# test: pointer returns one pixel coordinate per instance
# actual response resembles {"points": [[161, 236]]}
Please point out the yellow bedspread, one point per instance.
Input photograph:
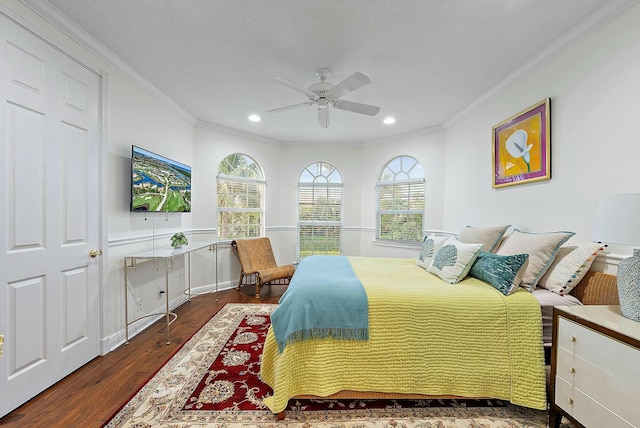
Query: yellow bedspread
{"points": [[426, 337]]}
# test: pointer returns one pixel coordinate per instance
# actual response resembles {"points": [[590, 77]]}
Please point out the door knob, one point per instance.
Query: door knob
{"points": [[95, 253]]}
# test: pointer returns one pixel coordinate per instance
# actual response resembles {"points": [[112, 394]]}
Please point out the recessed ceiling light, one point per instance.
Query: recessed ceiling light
{"points": [[389, 120], [254, 118]]}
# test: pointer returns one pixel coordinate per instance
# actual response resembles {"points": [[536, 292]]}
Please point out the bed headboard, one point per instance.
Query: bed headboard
{"points": [[597, 288]]}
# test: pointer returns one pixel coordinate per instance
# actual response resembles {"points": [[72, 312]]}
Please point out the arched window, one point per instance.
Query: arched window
{"points": [[400, 200], [319, 210], [240, 187]]}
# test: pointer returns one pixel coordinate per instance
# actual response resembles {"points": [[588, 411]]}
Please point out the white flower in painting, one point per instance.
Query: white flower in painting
{"points": [[517, 146]]}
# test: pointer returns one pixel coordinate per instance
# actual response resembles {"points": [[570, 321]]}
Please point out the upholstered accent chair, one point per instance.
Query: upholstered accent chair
{"points": [[258, 264]]}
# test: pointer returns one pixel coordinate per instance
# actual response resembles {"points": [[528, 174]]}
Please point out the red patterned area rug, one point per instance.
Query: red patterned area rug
{"points": [[213, 381]]}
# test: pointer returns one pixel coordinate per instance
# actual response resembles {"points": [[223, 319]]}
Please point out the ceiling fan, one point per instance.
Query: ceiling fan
{"points": [[325, 94]]}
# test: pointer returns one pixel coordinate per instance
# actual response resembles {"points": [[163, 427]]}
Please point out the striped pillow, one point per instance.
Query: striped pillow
{"points": [[571, 264]]}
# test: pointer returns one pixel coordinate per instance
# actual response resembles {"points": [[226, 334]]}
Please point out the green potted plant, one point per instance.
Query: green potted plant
{"points": [[178, 240]]}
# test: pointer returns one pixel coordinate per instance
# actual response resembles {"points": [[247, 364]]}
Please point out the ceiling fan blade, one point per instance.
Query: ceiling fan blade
{"points": [[356, 107], [351, 83], [292, 85], [275, 110], [323, 117]]}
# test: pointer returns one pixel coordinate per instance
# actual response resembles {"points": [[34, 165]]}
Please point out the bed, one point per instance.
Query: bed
{"points": [[341, 369], [471, 326], [426, 338]]}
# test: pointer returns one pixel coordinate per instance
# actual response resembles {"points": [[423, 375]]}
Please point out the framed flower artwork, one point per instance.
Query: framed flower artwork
{"points": [[522, 147]]}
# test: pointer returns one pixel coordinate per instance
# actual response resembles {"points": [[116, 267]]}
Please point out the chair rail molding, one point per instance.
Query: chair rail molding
{"points": [[148, 237]]}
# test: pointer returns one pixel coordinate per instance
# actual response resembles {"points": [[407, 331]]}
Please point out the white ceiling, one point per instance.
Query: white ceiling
{"points": [[428, 60]]}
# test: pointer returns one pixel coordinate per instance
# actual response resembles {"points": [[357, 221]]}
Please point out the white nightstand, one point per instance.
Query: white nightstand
{"points": [[595, 367]]}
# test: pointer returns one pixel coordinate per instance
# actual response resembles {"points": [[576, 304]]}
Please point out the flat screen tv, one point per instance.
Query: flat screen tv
{"points": [[159, 183]]}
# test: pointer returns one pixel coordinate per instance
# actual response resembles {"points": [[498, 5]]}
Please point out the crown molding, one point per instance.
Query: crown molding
{"points": [[434, 129], [33, 29], [587, 26], [60, 21], [203, 124]]}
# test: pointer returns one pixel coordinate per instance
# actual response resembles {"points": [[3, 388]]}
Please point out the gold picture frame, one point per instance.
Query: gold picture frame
{"points": [[522, 146]]}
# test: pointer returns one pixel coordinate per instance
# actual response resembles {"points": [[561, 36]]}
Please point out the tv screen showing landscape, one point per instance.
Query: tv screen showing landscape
{"points": [[159, 183]]}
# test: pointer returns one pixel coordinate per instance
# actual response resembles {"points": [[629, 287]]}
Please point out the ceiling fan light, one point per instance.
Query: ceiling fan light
{"points": [[255, 118], [389, 120], [323, 103]]}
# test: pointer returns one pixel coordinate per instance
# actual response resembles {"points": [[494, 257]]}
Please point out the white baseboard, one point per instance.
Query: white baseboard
{"points": [[117, 339]]}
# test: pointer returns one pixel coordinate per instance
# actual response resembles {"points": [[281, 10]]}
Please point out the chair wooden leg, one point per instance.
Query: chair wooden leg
{"points": [[240, 281], [257, 291]]}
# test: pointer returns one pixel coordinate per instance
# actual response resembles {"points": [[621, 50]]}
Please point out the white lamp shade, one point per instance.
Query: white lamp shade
{"points": [[618, 219]]}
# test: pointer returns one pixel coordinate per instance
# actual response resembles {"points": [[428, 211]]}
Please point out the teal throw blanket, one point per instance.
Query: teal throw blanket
{"points": [[324, 299]]}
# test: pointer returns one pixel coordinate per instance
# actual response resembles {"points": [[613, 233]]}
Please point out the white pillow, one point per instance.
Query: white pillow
{"points": [[488, 236], [453, 261], [430, 246], [571, 264], [541, 247]]}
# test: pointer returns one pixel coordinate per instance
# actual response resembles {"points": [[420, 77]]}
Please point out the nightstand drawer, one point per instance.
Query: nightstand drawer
{"points": [[588, 411], [598, 350], [613, 394]]}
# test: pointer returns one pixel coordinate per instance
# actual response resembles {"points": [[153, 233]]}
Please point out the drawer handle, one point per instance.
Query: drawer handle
{"points": [[572, 369], [570, 400], [572, 338]]}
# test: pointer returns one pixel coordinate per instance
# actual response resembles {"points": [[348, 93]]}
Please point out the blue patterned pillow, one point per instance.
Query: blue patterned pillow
{"points": [[453, 261], [430, 247], [502, 272]]}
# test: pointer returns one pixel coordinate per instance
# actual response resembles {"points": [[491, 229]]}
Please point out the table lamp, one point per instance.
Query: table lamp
{"points": [[618, 222]]}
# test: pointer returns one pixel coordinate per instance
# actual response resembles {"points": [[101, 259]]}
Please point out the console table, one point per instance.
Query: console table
{"points": [[164, 259], [595, 367]]}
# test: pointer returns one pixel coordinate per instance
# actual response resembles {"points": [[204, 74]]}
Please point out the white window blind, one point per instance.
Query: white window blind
{"points": [[401, 201], [240, 196], [320, 204]]}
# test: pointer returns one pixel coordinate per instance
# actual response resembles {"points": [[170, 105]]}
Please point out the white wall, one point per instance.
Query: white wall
{"points": [[347, 159], [359, 165], [137, 118], [282, 165], [594, 89]]}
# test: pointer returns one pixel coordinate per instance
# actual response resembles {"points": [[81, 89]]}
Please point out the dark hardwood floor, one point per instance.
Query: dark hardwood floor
{"points": [[90, 395]]}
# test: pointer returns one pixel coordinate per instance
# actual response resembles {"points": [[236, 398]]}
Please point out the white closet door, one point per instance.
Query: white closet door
{"points": [[49, 219]]}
